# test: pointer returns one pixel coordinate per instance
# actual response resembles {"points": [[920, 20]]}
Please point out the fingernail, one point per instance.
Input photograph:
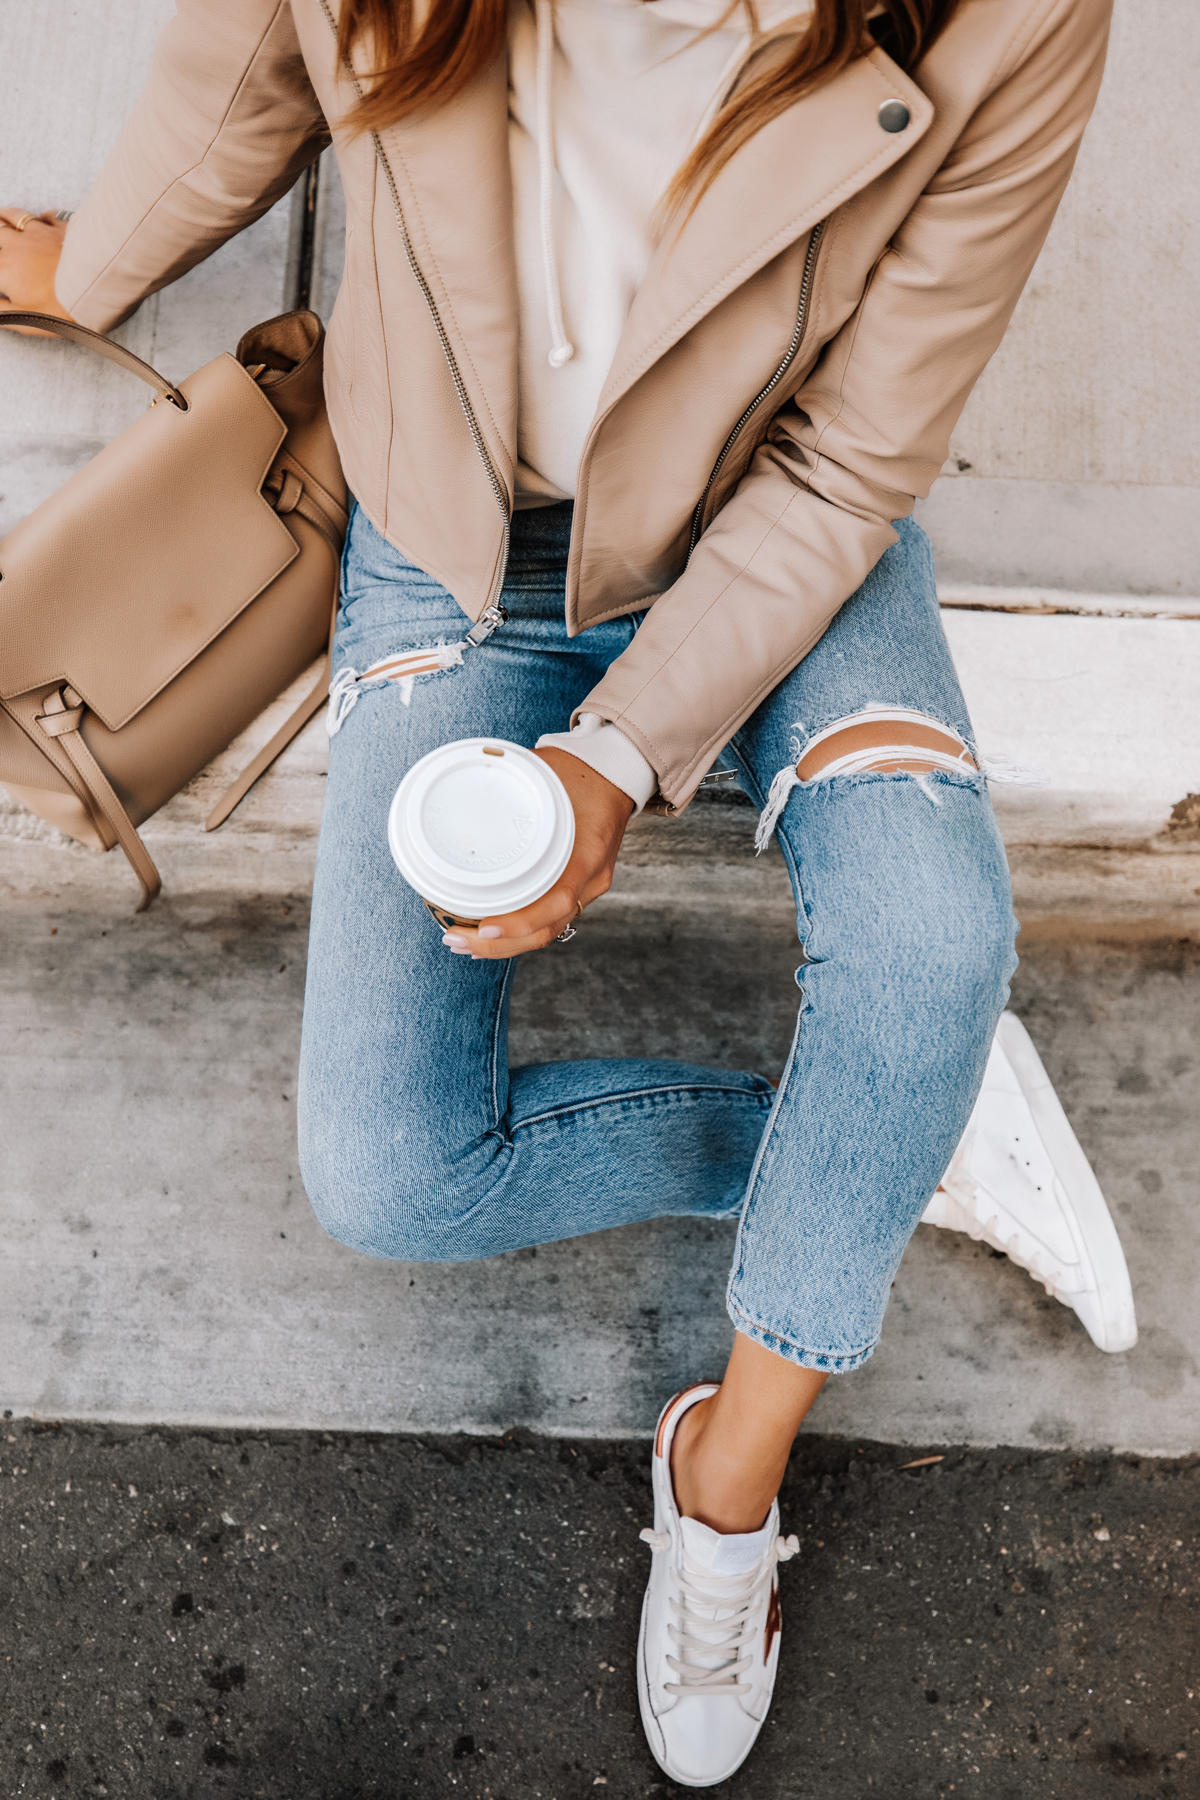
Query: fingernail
{"points": [[490, 931], [459, 950], [454, 939]]}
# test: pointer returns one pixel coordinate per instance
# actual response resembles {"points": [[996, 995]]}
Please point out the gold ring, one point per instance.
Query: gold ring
{"points": [[23, 221]]}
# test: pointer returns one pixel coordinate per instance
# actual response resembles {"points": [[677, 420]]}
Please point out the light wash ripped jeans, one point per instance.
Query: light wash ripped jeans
{"points": [[418, 1141]]}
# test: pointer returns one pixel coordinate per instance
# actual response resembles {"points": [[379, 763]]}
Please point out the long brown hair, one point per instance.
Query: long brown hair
{"points": [[412, 68]]}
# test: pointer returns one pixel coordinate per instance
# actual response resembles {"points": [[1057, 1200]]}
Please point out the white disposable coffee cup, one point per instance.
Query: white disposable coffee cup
{"points": [[480, 827]]}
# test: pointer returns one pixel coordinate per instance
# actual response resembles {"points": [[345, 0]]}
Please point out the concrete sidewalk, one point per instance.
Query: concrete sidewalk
{"points": [[162, 1263]]}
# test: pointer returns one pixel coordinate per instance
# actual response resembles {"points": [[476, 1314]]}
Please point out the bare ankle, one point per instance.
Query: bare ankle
{"points": [[729, 1452], [706, 1489]]}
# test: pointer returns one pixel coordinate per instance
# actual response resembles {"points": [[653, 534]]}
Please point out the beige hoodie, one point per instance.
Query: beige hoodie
{"points": [[630, 86], [606, 100]]}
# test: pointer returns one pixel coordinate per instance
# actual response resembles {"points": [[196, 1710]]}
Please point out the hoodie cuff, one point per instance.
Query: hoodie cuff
{"points": [[606, 749]]}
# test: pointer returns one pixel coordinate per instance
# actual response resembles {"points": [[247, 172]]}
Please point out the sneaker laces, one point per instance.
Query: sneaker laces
{"points": [[715, 1618]]}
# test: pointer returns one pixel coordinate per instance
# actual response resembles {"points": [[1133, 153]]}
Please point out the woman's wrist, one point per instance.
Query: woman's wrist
{"points": [[598, 802], [605, 748]]}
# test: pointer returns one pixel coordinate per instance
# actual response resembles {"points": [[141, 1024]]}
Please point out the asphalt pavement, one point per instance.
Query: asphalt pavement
{"points": [[316, 1616]]}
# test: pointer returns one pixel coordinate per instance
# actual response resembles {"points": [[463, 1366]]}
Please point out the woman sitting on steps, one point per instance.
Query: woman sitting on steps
{"points": [[657, 317]]}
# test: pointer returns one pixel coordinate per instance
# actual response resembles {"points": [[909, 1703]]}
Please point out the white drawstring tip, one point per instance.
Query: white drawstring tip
{"points": [[561, 353]]}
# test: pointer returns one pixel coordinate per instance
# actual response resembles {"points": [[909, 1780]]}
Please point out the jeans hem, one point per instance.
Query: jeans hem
{"points": [[824, 1361]]}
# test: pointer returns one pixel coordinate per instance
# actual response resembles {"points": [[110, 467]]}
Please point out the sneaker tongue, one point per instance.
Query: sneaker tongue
{"points": [[724, 1553]]}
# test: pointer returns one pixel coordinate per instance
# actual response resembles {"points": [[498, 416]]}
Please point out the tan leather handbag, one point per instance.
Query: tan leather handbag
{"points": [[173, 587]]}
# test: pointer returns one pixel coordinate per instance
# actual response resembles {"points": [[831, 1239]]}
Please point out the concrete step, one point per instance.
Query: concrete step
{"points": [[1103, 707], [162, 1263]]}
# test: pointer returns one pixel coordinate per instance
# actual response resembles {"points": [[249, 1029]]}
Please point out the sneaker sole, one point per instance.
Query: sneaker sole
{"points": [[1099, 1246]]}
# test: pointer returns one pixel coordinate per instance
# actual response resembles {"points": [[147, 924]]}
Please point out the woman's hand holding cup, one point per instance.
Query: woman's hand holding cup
{"points": [[602, 811], [506, 846]]}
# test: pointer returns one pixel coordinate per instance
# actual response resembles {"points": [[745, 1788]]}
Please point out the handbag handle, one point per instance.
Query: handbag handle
{"points": [[94, 340]]}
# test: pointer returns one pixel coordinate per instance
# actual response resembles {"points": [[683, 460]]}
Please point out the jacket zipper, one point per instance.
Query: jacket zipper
{"points": [[493, 611], [810, 260]]}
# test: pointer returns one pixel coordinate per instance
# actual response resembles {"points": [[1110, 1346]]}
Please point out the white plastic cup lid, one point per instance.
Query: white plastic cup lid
{"points": [[481, 826]]}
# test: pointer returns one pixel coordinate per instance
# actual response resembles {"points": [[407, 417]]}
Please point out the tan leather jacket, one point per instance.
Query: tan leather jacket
{"points": [[788, 377]]}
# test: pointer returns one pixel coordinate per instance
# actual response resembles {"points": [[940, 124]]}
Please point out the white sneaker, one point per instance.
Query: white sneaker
{"points": [[1019, 1181], [709, 1641]]}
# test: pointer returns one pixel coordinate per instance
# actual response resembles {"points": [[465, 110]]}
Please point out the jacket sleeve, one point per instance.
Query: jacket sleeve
{"points": [[868, 432], [223, 128]]}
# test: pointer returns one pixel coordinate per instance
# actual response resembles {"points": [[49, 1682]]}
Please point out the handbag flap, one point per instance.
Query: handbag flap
{"points": [[120, 579]]}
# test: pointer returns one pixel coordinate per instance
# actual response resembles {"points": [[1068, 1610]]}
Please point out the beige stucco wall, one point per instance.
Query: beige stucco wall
{"points": [[1076, 464], [1082, 440], [71, 74], [1097, 380]]}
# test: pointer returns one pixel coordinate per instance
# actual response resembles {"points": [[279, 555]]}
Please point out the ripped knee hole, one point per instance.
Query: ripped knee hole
{"points": [[878, 740], [884, 740]]}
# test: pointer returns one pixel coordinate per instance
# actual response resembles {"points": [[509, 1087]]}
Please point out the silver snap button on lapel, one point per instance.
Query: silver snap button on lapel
{"points": [[893, 115]]}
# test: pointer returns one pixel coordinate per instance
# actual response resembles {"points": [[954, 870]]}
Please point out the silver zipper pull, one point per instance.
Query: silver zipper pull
{"points": [[717, 778], [491, 619]]}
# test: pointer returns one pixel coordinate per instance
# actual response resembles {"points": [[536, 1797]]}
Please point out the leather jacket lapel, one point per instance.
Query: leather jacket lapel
{"points": [[452, 170], [792, 173]]}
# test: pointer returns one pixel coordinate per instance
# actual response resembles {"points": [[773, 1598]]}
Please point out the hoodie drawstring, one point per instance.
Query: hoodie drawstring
{"points": [[562, 350]]}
